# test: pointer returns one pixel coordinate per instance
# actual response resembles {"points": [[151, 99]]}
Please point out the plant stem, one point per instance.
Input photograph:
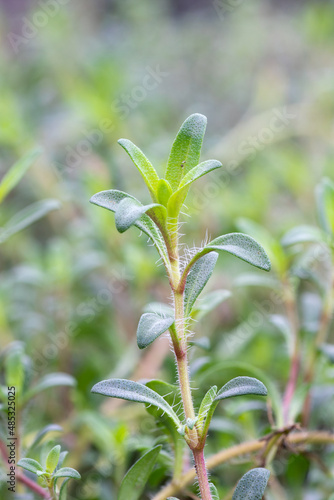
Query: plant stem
{"points": [[34, 486], [202, 474], [315, 437]]}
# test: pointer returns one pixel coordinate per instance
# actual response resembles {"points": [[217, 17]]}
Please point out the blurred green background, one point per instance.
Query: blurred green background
{"points": [[75, 77]]}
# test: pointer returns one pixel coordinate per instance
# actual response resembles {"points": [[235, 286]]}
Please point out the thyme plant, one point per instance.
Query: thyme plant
{"points": [[160, 220]]}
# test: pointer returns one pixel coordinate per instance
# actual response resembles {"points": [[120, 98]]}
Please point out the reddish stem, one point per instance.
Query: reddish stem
{"points": [[33, 486]]}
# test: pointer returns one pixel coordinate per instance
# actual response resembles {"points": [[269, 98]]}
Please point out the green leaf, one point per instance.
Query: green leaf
{"points": [[136, 478], [164, 192], [150, 327], [16, 172], [31, 465], [52, 459], [240, 386], [303, 234], [186, 149], [63, 488], [197, 278], [159, 308], [129, 211], [325, 205], [214, 492], [252, 485], [111, 199], [144, 166], [48, 381], [178, 197], [206, 404], [209, 302], [67, 472], [133, 391], [27, 216]]}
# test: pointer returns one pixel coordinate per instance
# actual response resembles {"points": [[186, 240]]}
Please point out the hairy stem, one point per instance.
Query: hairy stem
{"points": [[202, 474], [316, 437]]}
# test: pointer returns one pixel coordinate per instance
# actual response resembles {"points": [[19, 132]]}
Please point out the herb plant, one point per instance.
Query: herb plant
{"points": [[187, 275]]}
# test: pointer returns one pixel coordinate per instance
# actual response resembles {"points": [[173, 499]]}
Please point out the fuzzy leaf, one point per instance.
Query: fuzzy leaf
{"points": [[206, 404], [52, 459], [252, 485], [160, 309], [178, 197], [133, 391], [16, 172], [325, 205], [242, 246], [30, 464], [143, 164], [26, 217], [150, 327], [128, 212], [240, 386], [67, 472], [303, 234], [112, 198], [50, 380], [63, 488], [214, 492], [186, 149], [197, 278], [136, 478]]}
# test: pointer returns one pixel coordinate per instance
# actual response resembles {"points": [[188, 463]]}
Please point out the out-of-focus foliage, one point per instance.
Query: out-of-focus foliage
{"points": [[73, 82]]}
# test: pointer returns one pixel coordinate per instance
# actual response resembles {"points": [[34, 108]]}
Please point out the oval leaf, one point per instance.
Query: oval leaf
{"points": [[135, 479], [240, 386], [150, 327], [186, 149], [143, 164], [30, 464], [252, 485], [52, 459], [128, 212], [112, 198], [133, 391], [67, 472], [206, 404], [197, 278]]}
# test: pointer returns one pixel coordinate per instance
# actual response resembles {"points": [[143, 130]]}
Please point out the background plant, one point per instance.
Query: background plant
{"points": [[65, 271]]}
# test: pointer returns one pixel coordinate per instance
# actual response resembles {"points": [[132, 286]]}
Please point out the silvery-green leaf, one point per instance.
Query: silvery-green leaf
{"points": [[31, 465], [136, 478], [186, 149], [252, 485], [150, 327], [128, 212], [133, 391], [112, 198], [63, 488], [159, 308], [67, 472], [16, 172], [197, 278], [214, 492], [240, 386], [240, 245], [177, 199], [303, 234], [143, 164]]}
